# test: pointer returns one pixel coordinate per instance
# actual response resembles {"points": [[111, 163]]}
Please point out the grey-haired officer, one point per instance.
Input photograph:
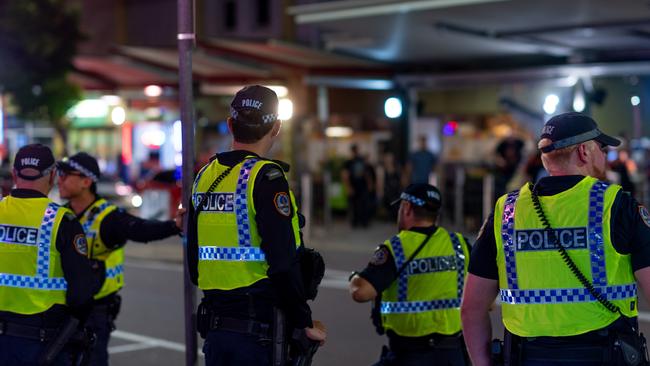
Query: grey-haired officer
{"points": [[416, 280], [551, 315], [107, 228], [45, 273]]}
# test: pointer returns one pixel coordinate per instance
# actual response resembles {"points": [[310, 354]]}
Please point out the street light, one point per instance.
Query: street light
{"points": [[635, 100], [118, 115], [550, 103], [285, 109]]}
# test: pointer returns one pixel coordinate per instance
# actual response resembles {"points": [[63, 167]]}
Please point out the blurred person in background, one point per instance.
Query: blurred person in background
{"points": [[508, 155], [421, 163], [108, 228], [391, 183], [625, 168], [358, 185]]}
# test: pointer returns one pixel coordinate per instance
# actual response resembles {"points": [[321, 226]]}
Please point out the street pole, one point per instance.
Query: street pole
{"points": [[185, 46]]}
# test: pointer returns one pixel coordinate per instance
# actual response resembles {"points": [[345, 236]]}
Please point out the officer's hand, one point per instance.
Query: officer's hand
{"points": [[178, 218], [317, 333]]}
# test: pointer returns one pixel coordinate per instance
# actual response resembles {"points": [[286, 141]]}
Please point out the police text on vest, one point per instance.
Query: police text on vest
{"points": [[215, 202], [18, 235], [539, 239], [432, 264]]}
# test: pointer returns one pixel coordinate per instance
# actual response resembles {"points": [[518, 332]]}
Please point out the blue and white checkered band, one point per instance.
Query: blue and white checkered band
{"points": [[76, 166], [41, 280], [566, 295], [245, 254], [91, 215], [267, 118], [403, 280], [43, 260], [39, 283], [112, 272], [595, 230], [414, 200], [507, 236], [241, 203], [460, 262], [418, 306]]}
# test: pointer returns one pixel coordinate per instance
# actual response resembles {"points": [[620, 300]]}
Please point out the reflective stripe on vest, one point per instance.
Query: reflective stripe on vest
{"points": [[512, 295], [404, 306], [113, 272], [245, 252], [41, 280]]}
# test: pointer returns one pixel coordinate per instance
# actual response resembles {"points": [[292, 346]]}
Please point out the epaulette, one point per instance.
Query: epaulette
{"points": [[274, 173]]}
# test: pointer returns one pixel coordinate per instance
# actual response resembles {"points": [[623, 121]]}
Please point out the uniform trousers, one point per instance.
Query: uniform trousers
{"points": [[428, 357], [225, 348], [101, 323], [17, 351]]}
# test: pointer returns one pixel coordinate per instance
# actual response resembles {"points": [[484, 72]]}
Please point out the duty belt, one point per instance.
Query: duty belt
{"points": [[242, 326], [438, 341], [27, 331]]}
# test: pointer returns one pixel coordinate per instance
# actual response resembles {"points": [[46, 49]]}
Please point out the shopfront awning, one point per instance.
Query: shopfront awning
{"points": [[206, 67], [118, 72]]}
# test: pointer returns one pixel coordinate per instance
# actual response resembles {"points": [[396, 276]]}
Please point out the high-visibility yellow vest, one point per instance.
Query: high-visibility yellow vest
{"points": [[91, 222], [425, 298], [540, 296], [31, 277], [230, 255]]}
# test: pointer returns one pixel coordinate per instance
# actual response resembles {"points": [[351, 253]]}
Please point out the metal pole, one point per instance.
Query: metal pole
{"points": [[459, 200], [185, 46], [306, 195], [488, 192]]}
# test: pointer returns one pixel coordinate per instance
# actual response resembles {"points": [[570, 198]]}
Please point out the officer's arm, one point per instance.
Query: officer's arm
{"points": [[630, 224], [120, 226], [83, 276], [481, 288], [273, 217], [478, 297], [375, 278]]}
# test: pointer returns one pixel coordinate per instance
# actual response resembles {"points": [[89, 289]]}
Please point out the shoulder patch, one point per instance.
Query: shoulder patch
{"points": [[282, 203], [80, 244], [274, 174], [645, 215], [380, 256]]}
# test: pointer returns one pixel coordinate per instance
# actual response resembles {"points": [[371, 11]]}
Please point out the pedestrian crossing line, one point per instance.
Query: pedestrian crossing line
{"points": [[130, 347]]}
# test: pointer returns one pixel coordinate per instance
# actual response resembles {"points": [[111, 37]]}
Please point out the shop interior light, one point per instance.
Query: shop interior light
{"points": [[177, 136], [136, 201], [112, 100], [285, 109], [550, 103], [338, 131], [579, 102], [393, 107], [635, 100], [153, 91], [154, 138], [450, 128], [118, 115], [89, 108], [280, 90]]}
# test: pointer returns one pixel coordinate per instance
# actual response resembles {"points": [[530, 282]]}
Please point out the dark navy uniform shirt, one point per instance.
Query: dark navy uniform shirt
{"points": [[630, 231], [284, 287], [83, 276]]}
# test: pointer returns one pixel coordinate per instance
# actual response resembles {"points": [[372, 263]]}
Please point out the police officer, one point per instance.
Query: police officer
{"points": [[419, 274], [107, 228], [45, 273], [551, 317], [242, 239]]}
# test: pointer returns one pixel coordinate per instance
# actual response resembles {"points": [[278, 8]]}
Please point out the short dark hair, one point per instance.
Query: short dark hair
{"points": [[249, 133], [425, 213]]}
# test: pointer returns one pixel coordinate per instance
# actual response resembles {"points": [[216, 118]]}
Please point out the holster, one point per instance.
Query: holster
{"points": [[630, 349], [496, 352], [279, 339], [375, 315]]}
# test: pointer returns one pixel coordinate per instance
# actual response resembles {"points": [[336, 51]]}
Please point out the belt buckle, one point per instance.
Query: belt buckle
{"points": [[431, 342]]}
